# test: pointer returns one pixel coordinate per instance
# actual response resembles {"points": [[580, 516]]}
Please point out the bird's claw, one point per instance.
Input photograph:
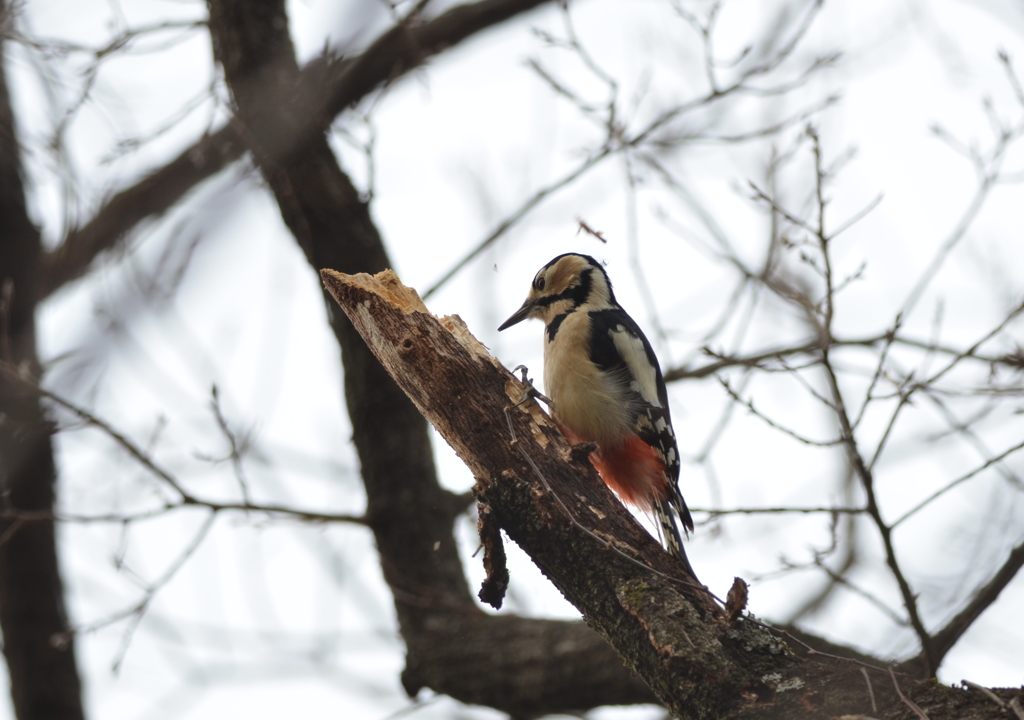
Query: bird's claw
{"points": [[530, 392]]}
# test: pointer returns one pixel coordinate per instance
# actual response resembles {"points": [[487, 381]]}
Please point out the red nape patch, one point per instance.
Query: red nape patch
{"points": [[635, 471]]}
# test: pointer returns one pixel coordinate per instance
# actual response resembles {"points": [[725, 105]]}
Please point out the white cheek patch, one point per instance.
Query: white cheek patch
{"points": [[644, 378]]}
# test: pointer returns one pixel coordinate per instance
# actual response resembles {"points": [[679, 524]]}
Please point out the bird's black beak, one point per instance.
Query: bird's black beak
{"points": [[519, 315]]}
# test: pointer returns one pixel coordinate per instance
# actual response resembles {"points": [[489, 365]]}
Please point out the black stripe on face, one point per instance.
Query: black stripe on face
{"points": [[581, 292], [577, 293], [553, 326]]}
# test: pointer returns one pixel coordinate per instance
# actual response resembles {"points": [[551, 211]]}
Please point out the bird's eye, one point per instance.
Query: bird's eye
{"points": [[539, 283]]}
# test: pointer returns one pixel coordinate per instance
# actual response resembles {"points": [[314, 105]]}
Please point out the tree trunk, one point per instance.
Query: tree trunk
{"points": [[38, 647]]}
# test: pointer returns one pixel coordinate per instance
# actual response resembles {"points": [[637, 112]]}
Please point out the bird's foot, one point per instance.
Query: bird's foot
{"points": [[530, 392]]}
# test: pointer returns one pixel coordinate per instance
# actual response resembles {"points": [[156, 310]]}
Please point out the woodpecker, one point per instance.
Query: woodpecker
{"points": [[606, 387]]}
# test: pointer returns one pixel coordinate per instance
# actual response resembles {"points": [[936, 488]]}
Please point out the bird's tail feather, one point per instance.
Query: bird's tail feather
{"points": [[664, 513]]}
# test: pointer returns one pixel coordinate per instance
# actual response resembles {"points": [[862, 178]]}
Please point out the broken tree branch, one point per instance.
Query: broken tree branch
{"points": [[552, 503]]}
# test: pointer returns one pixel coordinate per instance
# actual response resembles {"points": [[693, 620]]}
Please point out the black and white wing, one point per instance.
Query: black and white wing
{"points": [[619, 347]]}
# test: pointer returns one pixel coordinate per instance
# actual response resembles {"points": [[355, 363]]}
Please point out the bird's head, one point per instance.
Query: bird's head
{"points": [[566, 283]]}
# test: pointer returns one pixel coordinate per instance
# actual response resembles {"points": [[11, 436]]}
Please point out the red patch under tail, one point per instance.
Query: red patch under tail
{"points": [[635, 471]]}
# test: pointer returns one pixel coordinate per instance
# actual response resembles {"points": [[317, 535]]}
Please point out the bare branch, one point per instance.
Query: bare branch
{"points": [[511, 220], [715, 512], [236, 448], [187, 499], [396, 52], [982, 598], [149, 198], [792, 433], [905, 700], [618, 141]]}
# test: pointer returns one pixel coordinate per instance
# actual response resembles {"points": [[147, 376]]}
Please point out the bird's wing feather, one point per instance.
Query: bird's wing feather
{"points": [[618, 346]]}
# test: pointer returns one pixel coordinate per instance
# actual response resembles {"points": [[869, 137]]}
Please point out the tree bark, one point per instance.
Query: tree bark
{"points": [[549, 500], [37, 645]]}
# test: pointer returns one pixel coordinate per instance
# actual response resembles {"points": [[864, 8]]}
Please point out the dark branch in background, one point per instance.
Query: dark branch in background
{"points": [[778, 510], [44, 680], [148, 199], [186, 499], [342, 81], [812, 348], [410, 44], [944, 640]]}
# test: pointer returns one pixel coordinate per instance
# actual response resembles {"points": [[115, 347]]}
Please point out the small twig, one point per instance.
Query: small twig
{"points": [[136, 611], [518, 215], [907, 701], [890, 338], [633, 251], [856, 590], [121, 439], [963, 478], [761, 195], [984, 691], [858, 216], [749, 405], [903, 391], [1017, 310], [871, 689], [1017, 709], [793, 371], [867, 479], [237, 449], [306, 515], [754, 360], [30, 516], [812, 651], [988, 169], [714, 512]]}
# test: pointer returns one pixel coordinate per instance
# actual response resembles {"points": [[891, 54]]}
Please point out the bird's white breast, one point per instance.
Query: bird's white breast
{"points": [[587, 402]]}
